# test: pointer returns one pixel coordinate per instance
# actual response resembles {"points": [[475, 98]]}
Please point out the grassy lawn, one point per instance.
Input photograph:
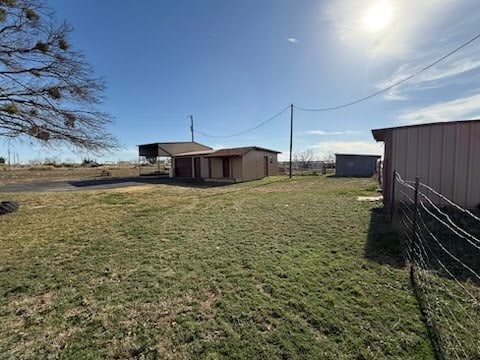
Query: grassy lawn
{"points": [[270, 269]]}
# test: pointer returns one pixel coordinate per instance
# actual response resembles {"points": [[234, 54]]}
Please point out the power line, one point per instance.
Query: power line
{"points": [[365, 98], [248, 130], [388, 88]]}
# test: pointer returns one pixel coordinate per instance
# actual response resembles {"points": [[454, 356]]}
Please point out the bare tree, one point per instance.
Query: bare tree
{"points": [[329, 162], [47, 89], [330, 157], [304, 159]]}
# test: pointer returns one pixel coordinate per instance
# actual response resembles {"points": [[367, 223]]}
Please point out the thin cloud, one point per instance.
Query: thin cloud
{"points": [[330, 133], [293, 40], [455, 70], [450, 70], [460, 109], [351, 147], [395, 94], [218, 146], [325, 149], [284, 156]]}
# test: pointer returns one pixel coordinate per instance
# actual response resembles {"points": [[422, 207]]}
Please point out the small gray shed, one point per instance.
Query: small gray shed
{"points": [[356, 165]]}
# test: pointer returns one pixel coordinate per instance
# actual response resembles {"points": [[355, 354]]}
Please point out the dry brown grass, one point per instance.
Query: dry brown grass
{"points": [[38, 173]]}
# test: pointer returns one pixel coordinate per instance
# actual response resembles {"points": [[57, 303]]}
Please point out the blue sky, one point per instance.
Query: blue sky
{"points": [[233, 64]]}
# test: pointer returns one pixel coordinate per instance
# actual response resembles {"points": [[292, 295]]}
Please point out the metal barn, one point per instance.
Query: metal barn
{"points": [[445, 156]]}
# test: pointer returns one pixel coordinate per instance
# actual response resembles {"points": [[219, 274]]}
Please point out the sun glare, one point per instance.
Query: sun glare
{"points": [[378, 16]]}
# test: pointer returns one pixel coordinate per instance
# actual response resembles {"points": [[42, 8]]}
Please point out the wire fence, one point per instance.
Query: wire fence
{"points": [[442, 245], [307, 167]]}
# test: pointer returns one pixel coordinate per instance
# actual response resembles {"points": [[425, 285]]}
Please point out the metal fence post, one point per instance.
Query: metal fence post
{"points": [[414, 225], [392, 203]]}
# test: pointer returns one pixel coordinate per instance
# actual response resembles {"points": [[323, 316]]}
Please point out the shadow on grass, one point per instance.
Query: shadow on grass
{"points": [[384, 244], [451, 253], [182, 182], [441, 249], [120, 180], [148, 180], [117, 182]]}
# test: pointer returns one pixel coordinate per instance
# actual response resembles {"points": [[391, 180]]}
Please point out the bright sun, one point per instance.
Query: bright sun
{"points": [[378, 16]]}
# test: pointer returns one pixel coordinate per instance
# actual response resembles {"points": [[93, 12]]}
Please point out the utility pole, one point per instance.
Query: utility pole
{"points": [[9, 159], [191, 128], [291, 137]]}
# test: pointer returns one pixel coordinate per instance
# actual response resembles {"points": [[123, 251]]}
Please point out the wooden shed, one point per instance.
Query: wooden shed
{"points": [[445, 156]]}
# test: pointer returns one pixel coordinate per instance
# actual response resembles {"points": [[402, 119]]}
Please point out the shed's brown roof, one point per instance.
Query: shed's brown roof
{"points": [[240, 151]]}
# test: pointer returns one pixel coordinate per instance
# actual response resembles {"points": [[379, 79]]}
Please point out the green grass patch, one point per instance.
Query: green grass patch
{"points": [[277, 268]]}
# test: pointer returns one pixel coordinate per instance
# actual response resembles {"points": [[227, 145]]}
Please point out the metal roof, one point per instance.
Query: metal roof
{"points": [[193, 153], [171, 148], [379, 134], [172, 143], [240, 151], [362, 155]]}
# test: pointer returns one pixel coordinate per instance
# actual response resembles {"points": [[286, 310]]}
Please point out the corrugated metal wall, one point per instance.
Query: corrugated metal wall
{"points": [[445, 156], [204, 167], [355, 165], [216, 170], [254, 164], [235, 168], [249, 167]]}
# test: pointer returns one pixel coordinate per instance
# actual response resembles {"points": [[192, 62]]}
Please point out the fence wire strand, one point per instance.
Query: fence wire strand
{"points": [[442, 243], [450, 202]]}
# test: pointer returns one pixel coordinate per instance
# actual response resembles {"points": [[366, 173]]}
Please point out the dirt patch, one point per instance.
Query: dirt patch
{"points": [[30, 305], [206, 305], [370, 198]]}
